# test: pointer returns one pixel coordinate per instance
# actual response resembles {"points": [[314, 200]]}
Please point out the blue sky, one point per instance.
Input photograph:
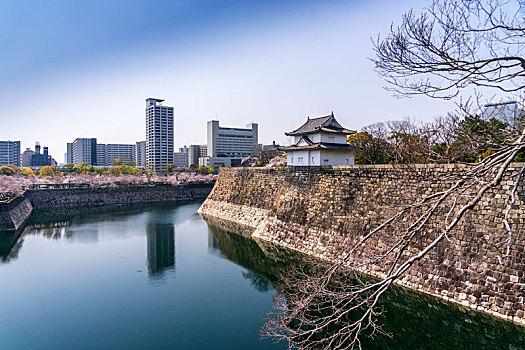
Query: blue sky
{"points": [[84, 68]]}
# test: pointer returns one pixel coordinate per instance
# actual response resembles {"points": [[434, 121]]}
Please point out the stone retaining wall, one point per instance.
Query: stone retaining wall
{"points": [[324, 211], [88, 197], [15, 213]]}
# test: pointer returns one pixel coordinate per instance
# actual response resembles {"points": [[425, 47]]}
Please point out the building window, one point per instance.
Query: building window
{"points": [[300, 160], [326, 162], [313, 160], [331, 138], [347, 161], [292, 160]]}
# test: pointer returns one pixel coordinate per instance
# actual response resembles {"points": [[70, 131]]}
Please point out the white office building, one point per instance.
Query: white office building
{"points": [[228, 146], [159, 135]]}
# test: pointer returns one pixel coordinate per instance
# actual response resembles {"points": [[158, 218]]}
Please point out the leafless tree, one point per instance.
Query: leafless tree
{"points": [[453, 45]]}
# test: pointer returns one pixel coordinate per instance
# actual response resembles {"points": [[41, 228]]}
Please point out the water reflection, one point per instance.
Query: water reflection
{"points": [[161, 249], [415, 321], [10, 246], [212, 243], [264, 269]]}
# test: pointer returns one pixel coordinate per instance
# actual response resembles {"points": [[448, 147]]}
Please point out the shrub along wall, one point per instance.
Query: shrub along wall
{"points": [[322, 212]]}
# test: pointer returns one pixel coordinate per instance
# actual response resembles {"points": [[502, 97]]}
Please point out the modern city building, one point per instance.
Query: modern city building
{"points": [[181, 158], [82, 150], [10, 153], [27, 157], [507, 112], [195, 152], [38, 159], [159, 135], [125, 152], [69, 153], [140, 154], [228, 146], [160, 249], [101, 154], [320, 142], [231, 142]]}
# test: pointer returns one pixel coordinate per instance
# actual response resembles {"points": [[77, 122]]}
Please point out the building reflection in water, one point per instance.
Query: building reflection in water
{"points": [[212, 243], [161, 249]]}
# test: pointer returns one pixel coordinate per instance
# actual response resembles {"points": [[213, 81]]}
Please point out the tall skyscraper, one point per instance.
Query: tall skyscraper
{"points": [[10, 153], [159, 135]]}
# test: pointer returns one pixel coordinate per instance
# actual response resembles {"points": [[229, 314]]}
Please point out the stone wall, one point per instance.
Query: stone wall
{"points": [[88, 197], [322, 212], [15, 213]]}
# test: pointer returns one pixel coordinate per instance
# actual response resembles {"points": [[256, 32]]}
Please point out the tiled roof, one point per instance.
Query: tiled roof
{"points": [[326, 123], [323, 145]]}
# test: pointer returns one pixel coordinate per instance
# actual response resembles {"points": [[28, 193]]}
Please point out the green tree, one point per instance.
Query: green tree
{"points": [[46, 171], [83, 168], [6, 170], [100, 171], [373, 150], [204, 170], [170, 168], [476, 136], [68, 168], [24, 171], [116, 162]]}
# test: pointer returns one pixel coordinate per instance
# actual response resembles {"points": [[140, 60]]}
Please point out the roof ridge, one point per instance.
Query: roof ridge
{"points": [[324, 116]]}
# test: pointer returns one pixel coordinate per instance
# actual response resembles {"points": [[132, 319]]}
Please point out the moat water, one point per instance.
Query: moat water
{"points": [[160, 277]]}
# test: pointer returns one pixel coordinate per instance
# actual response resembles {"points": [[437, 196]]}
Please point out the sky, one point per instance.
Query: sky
{"points": [[73, 69]]}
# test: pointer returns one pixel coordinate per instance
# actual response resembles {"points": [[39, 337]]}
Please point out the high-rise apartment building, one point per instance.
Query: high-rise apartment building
{"points": [[82, 150], [10, 153], [140, 154], [159, 135]]}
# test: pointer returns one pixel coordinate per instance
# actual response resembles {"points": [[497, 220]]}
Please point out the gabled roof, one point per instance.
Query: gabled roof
{"points": [[326, 124]]}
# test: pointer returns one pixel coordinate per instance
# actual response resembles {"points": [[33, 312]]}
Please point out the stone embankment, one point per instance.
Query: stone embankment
{"points": [[323, 212], [14, 214]]}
